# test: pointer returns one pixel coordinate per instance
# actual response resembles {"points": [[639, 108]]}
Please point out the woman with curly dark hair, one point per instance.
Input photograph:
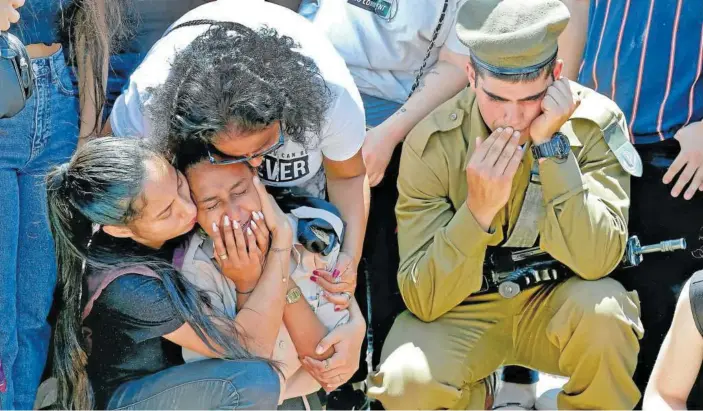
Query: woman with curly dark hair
{"points": [[258, 84]]}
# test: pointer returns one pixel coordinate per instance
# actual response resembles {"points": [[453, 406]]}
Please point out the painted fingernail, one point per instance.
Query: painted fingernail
{"points": [[516, 134], [316, 272], [256, 180], [499, 129], [214, 228], [313, 278], [253, 224], [254, 215], [249, 232], [226, 221], [337, 308], [335, 273], [319, 350], [261, 214], [235, 224]]}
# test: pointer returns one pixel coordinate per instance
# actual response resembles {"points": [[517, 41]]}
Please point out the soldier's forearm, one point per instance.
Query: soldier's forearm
{"points": [[580, 229], [437, 278]]}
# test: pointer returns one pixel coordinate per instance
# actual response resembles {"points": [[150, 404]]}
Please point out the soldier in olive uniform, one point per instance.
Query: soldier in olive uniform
{"points": [[524, 157]]}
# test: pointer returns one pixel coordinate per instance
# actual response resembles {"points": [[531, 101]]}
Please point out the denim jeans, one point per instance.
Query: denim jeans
{"points": [[202, 385], [377, 110], [43, 134]]}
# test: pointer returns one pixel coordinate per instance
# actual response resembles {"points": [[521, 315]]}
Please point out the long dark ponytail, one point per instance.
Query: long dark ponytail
{"points": [[99, 187]]}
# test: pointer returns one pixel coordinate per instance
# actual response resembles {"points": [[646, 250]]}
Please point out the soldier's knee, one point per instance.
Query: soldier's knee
{"points": [[405, 381], [608, 316]]}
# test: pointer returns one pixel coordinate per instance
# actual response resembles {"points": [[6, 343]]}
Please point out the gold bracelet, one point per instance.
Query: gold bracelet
{"points": [[284, 279]]}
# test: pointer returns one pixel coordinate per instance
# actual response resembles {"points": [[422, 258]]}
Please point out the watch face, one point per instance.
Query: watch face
{"points": [[562, 146]]}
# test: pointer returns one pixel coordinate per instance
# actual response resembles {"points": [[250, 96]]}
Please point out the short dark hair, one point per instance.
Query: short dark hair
{"points": [[194, 152], [190, 153], [546, 70]]}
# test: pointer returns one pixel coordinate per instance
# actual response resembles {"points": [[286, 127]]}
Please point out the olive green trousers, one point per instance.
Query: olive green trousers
{"points": [[588, 331]]}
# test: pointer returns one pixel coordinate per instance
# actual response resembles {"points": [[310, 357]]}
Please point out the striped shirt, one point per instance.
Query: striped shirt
{"points": [[647, 56]]}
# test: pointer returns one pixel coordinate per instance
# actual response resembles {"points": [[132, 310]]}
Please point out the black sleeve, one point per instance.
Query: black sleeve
{"points": [[696, 297], [140, 307]]}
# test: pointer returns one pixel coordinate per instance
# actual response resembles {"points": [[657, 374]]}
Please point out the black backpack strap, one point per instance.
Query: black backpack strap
{"points": [[696, 297]]}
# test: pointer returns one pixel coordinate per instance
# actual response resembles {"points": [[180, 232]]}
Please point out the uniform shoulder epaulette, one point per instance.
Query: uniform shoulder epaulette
{"points": [[448, 116], [605, 114]]}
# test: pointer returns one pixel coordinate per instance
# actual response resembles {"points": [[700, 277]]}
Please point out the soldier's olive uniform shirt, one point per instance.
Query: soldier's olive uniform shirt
{"points": [[442, 247]]}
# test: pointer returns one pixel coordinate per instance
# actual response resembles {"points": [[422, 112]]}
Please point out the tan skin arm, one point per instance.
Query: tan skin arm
{"points": [[440, 82], [260, 318], [678, 362], [573, 39], [107, 128], [87, 93], [304, 328], [349, 192]]}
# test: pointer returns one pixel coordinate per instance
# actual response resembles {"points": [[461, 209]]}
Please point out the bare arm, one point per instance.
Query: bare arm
{"points": [[349, 192], [440, 82], [678, 362], [88, 92], [443, 81], [303, 326], [260, 317], [573, 39], [305, 329]]}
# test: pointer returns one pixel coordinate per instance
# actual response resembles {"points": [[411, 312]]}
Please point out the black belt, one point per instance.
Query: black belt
{"points": [[510, 284]]}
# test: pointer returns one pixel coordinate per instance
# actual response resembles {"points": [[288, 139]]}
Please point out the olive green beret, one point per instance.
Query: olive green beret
{"points": [[512, 36]]}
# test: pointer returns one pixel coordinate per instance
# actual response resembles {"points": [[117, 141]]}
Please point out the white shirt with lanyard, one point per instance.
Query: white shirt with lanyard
{"points": [[384, 42]]}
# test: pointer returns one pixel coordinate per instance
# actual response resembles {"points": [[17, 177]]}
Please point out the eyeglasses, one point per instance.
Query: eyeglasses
{"points": [[242, 159]]}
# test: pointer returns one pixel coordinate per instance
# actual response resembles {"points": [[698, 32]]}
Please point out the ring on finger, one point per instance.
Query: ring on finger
{"points": [[327, 364], [223, 257], [348, 294]]}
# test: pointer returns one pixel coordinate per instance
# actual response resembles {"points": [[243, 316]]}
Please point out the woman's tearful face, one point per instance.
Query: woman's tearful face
{"points": [[223, 190]]}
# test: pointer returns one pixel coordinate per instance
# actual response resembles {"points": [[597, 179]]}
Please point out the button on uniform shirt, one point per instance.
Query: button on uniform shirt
{"points": [[647, 55]]}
